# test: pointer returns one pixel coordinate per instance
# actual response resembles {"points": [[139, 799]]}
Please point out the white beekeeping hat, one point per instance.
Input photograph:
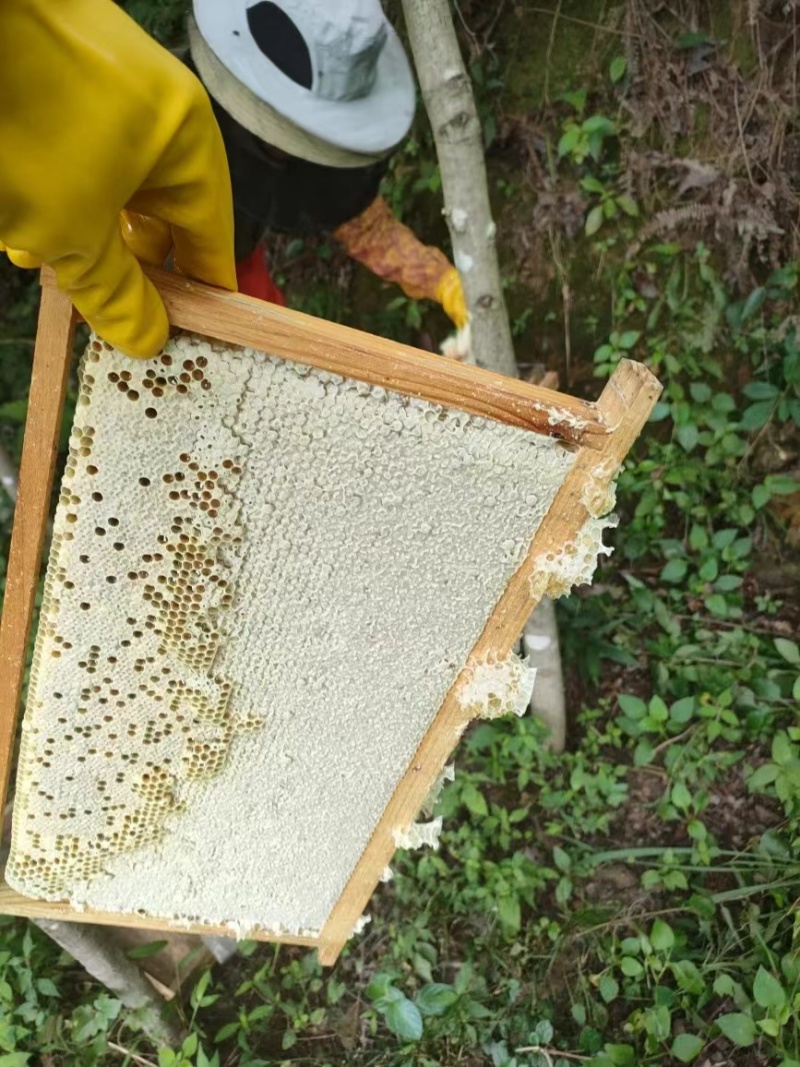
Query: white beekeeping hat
{"points": [[322, 79]]}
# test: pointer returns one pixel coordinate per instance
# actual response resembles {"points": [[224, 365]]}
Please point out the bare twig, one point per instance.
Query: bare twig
{"points": [[130, 1054]]}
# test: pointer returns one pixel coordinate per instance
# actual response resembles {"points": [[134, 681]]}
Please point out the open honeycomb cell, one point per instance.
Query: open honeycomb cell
{"points": [[263, 581]]}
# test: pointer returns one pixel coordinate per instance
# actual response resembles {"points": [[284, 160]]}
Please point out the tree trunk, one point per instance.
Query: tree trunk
{"points": [[447, 92]]}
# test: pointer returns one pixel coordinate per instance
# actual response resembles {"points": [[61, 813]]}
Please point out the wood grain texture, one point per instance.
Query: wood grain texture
{"points": [[627, 402], [14, 903], [51, 363], [241, 320]]}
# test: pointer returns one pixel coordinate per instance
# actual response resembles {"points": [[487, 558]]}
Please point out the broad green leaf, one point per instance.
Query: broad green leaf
{"points": [[661, 936], [435, 998], [561, 859], [633, 706], [687, 436], [753, 302], [675, 570], [617, 69], [630, 967], [788, 650], [762, 777], [628, 205], [508, 911], [682, 710], [404, 1020], [760, 391], [687, 1047], [767, 990], [608, 988], [143, 952], [569, 141], [474, 800], [681, 797], [594, 220], [738, 1028], [717, 605], [782, 748]]}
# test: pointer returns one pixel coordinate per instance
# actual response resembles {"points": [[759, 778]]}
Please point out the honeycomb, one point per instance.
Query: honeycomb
{"points": [[263, 581]]}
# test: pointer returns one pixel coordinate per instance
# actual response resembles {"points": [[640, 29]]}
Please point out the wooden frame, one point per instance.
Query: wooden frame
{"points": [[602, 433]]}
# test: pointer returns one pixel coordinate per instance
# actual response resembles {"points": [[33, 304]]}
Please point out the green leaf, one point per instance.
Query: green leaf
{"points": [[435, 998], [756, 415], [289, 1039], [189, 1046], [675, 570], [630, 967], [687, 1047], [509, 914], [561, 859], [15, 1059], [782, 749], [767, 990], [616, 70], [681, 797], [682, 710], [47, 987], [143, 952], [761, 391], [628, 205], [761, 495], [569, 141], [738, 1028], [764, 776], [633, 706], [404, 1020], [661, 936], [717, 605], [753, 303], [594, 220], [643, 753], [474, 800], [628, 339], [788, 650], [700, 392], [608, 988], [687, 436]]}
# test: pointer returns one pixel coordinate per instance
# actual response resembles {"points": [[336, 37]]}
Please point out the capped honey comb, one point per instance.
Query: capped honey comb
{"points": [[263, 581]]}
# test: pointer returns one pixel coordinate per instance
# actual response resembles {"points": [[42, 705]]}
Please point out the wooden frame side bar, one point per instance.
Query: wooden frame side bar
{"points": [[51, 363], [242, 320], [627, 401]]}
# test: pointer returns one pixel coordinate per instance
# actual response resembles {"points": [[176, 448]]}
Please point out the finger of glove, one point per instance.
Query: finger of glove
{"points": [[451, 296], [22, 259], [189, 188], [116, 299], [149, 239]]}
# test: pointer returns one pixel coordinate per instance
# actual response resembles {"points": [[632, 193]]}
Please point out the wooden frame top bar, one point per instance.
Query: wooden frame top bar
{"points": [[243, 320]]}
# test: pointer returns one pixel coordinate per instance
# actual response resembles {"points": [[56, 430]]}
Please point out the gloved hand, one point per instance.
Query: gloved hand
{"points": [[96, 117], [393, 252], [450, 295]]}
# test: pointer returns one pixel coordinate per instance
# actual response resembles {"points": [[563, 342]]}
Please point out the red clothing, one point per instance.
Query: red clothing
{"points": [[255, 280]]}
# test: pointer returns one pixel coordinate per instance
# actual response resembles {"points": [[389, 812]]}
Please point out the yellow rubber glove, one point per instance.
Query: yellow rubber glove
{"points": [[394, 252], [95, 117], [450, 295]]}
